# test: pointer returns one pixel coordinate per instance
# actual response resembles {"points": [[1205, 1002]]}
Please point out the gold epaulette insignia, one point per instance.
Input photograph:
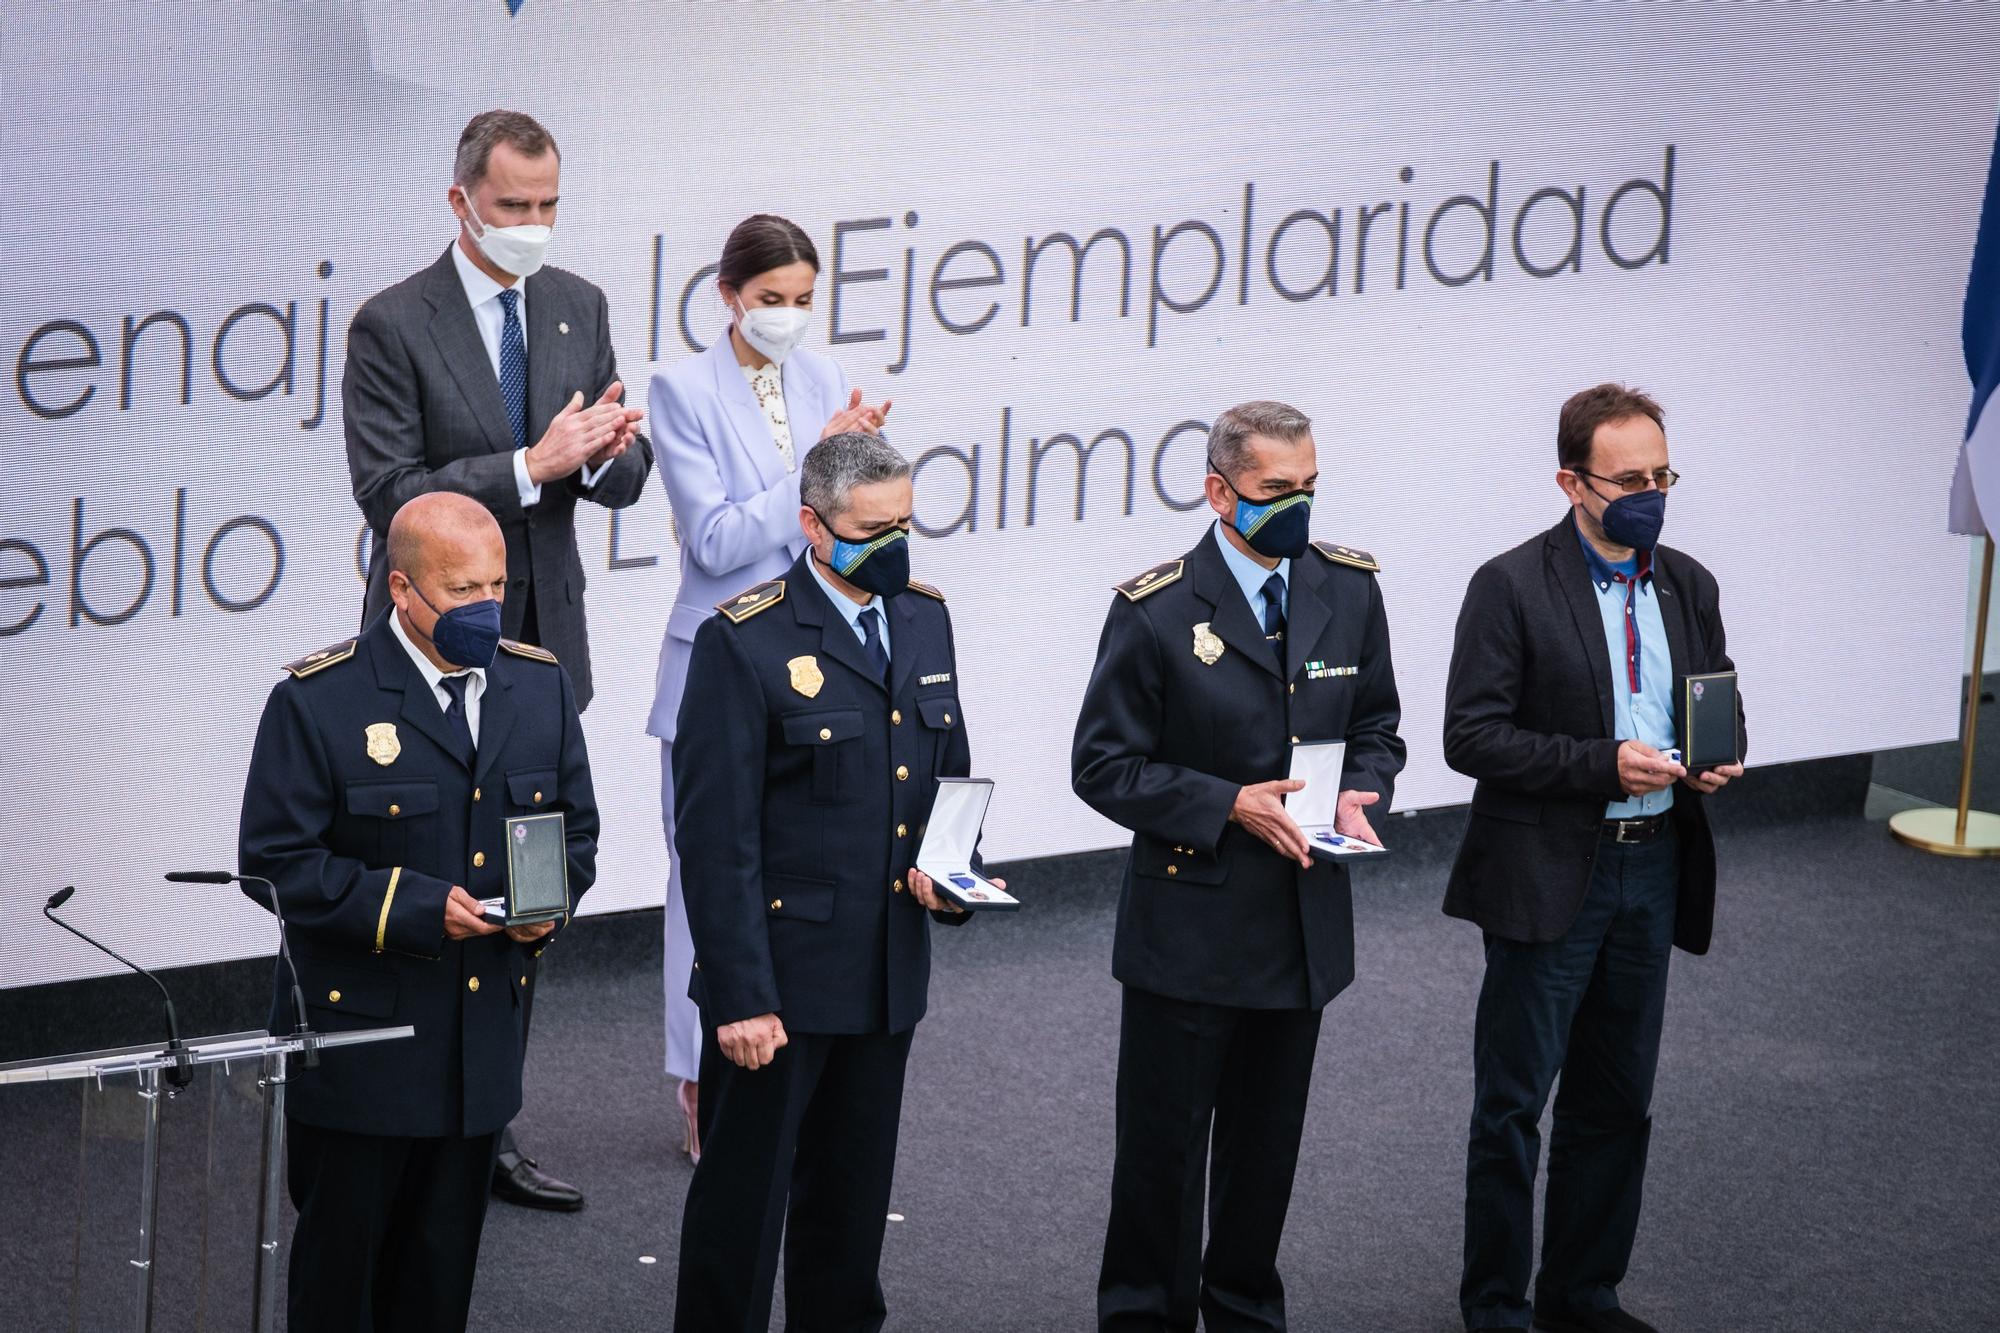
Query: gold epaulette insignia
{"points": [[324, 658], [528, 650], [1347, 555], [926, 589], [1154, 579], [760, 598]]}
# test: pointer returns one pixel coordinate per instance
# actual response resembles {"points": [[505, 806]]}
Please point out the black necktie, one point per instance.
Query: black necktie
{"points": [[1274, 607], [454, 712], [871, 632]]}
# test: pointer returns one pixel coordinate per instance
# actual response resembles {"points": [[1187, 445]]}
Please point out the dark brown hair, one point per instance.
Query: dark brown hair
{"points": [[761, 243], [1577, 425], [518, 130]]}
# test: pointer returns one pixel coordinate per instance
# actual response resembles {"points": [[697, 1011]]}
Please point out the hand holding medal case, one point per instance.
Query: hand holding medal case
{"points": [[1319, 766], [537, 872], [1709, 721], [950, 838]]}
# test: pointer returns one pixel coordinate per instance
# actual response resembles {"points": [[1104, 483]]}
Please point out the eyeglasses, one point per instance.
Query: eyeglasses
{"points": [[1633, 482]]}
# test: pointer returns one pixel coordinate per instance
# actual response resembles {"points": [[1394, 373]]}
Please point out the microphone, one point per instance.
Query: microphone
{"points": [[182, 1072], [309, 1056]]}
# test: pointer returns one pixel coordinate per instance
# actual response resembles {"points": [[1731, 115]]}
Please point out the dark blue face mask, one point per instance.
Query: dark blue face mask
{"points": [[465, 636], [880, 565], [1279, 527], [1635, 520]]}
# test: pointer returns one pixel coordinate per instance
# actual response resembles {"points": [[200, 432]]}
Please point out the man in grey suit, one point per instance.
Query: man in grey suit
{"points": [[490, 375], [493, 376]]}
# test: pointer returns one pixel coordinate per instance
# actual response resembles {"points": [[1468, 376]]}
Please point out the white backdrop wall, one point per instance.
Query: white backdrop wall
{"points": [[1425, 226]]}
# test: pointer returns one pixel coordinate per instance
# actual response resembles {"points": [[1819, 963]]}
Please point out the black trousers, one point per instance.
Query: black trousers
{"points": [[530, 633], [388, 1232], [1187, 1074], [1589, 1005], [805, 1146]]}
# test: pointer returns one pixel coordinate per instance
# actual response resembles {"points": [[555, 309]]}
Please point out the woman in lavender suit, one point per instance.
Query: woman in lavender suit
{"points": [[730, 427]]}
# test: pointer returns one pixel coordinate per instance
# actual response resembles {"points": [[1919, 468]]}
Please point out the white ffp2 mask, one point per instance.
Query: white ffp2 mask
{"points": [[516, 250]]}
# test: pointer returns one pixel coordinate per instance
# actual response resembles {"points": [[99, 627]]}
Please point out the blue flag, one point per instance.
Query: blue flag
{"points": [[1975, 485]]}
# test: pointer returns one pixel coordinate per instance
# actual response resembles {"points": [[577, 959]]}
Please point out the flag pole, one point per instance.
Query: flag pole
{"points": [[1972, 832]]}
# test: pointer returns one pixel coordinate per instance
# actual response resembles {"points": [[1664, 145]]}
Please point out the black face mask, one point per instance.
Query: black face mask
{"points": [[1280, 527], [880, 565]]}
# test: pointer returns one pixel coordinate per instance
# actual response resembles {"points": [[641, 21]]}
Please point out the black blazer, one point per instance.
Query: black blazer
{"points": [[801, 787], [1528, 712], [1207, 911], [364, 811], [422, 411]]}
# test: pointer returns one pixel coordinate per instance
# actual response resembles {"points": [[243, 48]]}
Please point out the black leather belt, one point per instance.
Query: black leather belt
{"points": [[1644, 829]]}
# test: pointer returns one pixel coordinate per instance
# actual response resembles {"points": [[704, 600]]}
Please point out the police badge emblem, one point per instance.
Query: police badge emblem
{"points": [[383, 747], [806, 677], [1207, 646]]}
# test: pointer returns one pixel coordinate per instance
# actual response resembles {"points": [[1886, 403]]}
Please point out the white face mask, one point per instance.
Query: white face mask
{"points": [[773, 330], [515, 250]]}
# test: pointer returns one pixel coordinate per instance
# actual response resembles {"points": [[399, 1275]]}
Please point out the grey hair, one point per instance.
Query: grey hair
{"points": [[839, 463], [1229, 437], [518, 130]]}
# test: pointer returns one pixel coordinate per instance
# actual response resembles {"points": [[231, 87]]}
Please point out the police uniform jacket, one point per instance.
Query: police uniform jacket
{"points": [[801, 786], [1167, 737], [363, 809]]}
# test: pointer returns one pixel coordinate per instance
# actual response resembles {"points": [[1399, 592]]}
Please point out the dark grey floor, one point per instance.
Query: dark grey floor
{"points": [[1824, 1154]]}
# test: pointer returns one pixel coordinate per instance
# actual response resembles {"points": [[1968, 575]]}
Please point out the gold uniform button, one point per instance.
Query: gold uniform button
{"points": [[1291, 689], [902, 830], [897, 886], [524, 978], [538, 798], [947, 719], [473, 984], [478, 859], [1173, 870], [475, 793], [333, 997], [825, 733], [1295, 740], [777, 903], [395, 810], [896, 717], [902, 773]]}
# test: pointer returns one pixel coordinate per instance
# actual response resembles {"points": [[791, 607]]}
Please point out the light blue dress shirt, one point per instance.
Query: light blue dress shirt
{"points": [[1250, 576], [850, 611], [1645, 714]]}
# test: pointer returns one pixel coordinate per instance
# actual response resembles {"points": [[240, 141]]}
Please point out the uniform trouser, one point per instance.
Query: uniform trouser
{"points": [[1588, 1005], [807, 1146], [530, 633], [1188, 1072], [683, 1016], [388, 1231]]}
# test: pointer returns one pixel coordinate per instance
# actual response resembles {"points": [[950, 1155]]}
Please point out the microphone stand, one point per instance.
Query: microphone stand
{"points": [[182, 1074]]}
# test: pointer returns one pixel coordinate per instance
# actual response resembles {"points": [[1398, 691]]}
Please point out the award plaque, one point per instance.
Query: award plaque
{"points": [[537, 870], [1709, 715], [1319, 767], [949, 841]]}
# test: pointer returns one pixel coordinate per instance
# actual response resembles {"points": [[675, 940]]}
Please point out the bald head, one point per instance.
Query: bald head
{"points": [[445, 550]]}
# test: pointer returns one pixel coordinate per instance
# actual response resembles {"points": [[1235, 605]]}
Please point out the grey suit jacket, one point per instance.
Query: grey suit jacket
{"points": [[423, 412]]}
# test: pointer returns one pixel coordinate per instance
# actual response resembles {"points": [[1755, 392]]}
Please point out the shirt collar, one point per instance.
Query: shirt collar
{"points": [[1249, 574], [479, 289], [427, 668], [1603, 573], [849, 609]]}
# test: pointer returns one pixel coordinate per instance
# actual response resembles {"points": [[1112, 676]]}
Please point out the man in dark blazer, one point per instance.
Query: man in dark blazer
{"points": [[383, 770], [1587, 858], [821, 708], [493, 376], [1231, 936]]}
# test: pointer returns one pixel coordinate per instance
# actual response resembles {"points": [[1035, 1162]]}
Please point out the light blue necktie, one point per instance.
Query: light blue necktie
{"points": [[514, 367]]}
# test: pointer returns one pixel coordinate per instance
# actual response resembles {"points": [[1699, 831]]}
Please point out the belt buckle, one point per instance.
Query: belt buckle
{"points": [[1622, 825]]}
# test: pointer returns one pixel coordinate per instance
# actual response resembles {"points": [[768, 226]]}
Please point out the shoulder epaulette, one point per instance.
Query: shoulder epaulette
{"points": [[1347, 555], [527, 650], [1154, 579], [747, 604], [926, 589], [332, 655]]}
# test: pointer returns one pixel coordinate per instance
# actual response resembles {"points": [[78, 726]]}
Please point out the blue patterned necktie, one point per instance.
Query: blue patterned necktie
{"points": [[1274, 607], [514, 367], [871, 631]]}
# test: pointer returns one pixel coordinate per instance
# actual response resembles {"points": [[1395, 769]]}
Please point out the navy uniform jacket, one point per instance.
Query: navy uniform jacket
{"points": [[801, 789], [364, 837], [1208, 912]]}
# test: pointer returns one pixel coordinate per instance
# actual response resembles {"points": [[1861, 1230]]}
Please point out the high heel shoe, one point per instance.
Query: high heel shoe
{"points": [[689, 1100]]}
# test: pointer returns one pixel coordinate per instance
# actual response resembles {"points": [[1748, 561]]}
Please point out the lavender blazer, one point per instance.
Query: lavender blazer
{"points": [[736, 509]]}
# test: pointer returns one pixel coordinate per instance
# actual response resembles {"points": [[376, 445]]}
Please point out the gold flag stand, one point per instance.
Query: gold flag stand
{"points": [[1962, 831]]}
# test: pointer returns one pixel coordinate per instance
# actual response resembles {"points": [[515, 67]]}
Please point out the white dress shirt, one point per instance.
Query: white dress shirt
{"points": [[483, 295], [433, 677]]}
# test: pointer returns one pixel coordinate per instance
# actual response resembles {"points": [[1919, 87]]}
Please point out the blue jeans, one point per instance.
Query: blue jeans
{"points": [[1588, 1006]]}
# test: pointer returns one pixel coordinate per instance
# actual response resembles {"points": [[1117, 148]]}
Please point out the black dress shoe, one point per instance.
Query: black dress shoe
{"points": [[1613, 1320], [517, 1179]]}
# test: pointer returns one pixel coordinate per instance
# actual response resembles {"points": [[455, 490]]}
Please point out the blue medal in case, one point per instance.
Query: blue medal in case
{"points": [[950, 838], [1318, 765]]}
